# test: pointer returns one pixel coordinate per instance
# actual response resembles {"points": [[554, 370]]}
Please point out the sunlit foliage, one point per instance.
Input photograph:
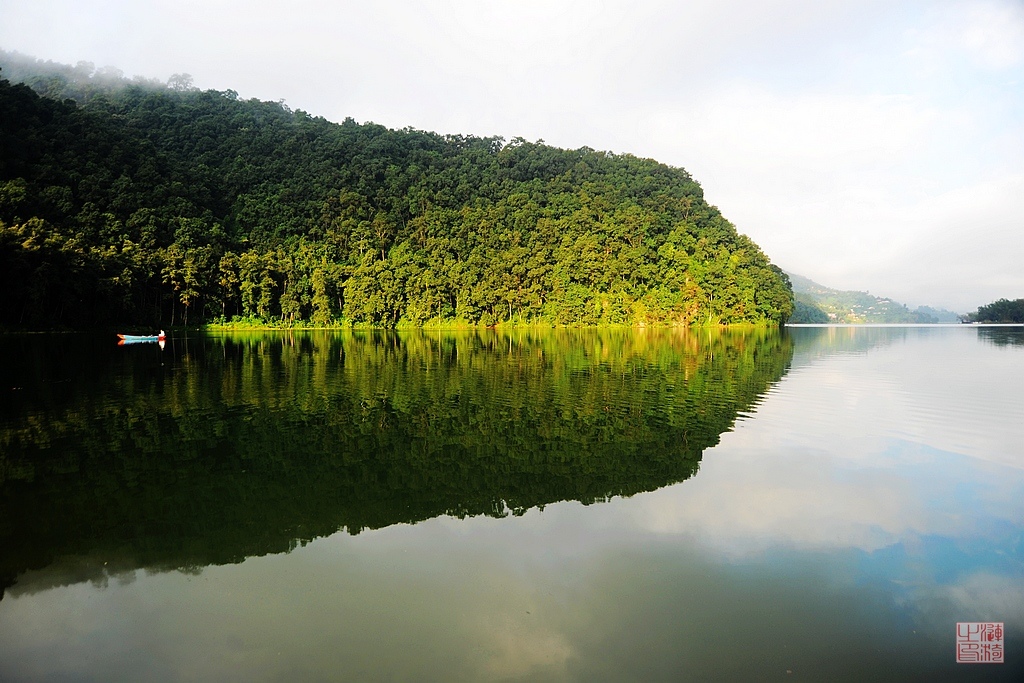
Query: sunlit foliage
{"points": [[125, 202]]}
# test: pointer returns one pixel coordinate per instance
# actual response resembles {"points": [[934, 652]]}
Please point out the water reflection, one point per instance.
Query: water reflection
{"points": [[899, 467], [1002, 335], [922, 435], [838, 532], [224, 447]]}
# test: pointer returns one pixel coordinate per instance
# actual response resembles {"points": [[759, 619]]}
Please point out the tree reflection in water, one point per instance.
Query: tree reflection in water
{"points": [[224, 447]]}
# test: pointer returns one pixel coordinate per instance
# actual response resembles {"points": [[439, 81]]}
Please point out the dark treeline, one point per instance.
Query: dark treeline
{"points": [[128, 202], [1001, 311], [219, 448]]}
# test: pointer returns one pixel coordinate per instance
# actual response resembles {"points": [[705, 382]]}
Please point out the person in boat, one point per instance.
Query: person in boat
{"points": [[161, 334]]}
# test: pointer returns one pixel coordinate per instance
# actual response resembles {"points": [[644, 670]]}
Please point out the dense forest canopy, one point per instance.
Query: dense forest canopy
{"points": [[134, 202], [1001, 311]]}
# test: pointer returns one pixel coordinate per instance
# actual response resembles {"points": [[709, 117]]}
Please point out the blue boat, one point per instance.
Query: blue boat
{"points": [[138, 338]]}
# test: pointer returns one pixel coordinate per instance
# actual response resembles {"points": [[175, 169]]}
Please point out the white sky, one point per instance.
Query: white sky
{"points": [[870, 145]]}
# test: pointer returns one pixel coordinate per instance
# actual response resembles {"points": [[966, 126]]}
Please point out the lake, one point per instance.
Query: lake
{"points": [[815, 504]]}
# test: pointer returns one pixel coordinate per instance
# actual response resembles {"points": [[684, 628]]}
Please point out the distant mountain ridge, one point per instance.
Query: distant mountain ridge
{"points": [[816, 303]]}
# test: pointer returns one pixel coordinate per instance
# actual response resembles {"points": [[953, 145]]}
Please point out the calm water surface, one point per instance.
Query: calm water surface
{"points": [[821, 504]]}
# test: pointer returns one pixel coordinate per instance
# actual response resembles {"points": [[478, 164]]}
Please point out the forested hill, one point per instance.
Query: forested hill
{"points": [[819, 304], [1001, 311], [132, 203]]}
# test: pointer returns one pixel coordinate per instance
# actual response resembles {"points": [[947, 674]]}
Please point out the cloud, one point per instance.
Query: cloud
{"points": [[842, 454], [983, 596], [816, 179], [884, 177], [965, 241], [989, 34]]}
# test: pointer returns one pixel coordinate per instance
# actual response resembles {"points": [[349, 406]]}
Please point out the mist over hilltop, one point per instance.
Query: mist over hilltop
{"points": [[130, 201]]}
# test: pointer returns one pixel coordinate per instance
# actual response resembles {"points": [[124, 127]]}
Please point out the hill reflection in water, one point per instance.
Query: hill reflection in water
{"points": [[222, 447]]}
